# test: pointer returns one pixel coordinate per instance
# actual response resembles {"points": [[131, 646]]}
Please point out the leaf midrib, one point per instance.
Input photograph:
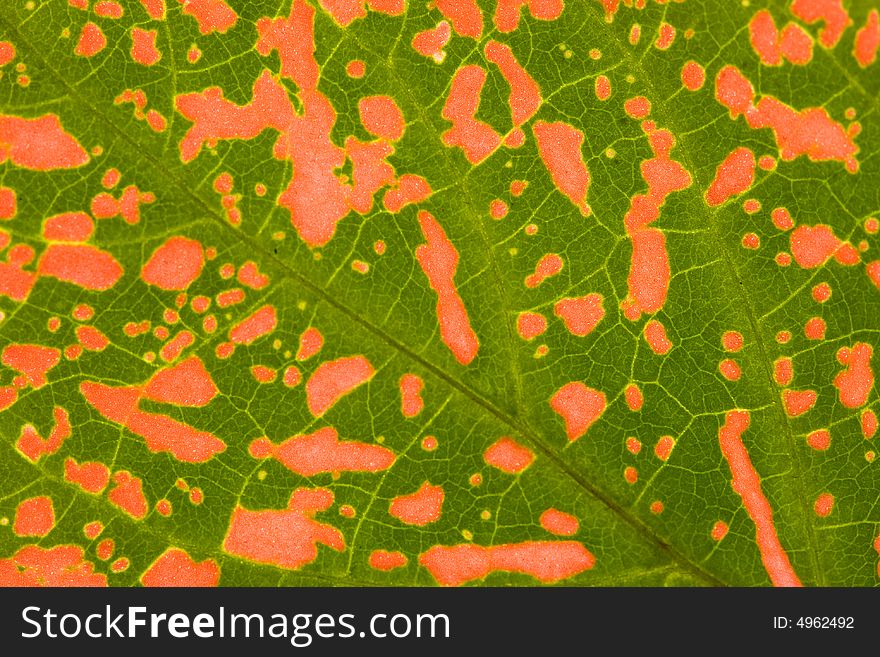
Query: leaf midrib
{"points": [[178, 182]]}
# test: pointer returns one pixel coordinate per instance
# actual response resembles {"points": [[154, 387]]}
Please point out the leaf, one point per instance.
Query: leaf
{"points": [[504, 293]]}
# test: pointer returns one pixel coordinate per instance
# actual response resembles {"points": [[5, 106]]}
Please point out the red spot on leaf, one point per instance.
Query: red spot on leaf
{"points": [[92, 477], [175, 265], [35, 447], [508, 456], [855, 383], [431, 42], [560, 148], [40, 144], [31, 360], [211, 15], [335, 379], [91, 41], [582, 314], [34, 517], [438, 259], [546, 561], [175, 567], [62, 565], [411, 403], [579, 406], [868, 40], [286, 538], [128, 495], [507, 12], [384, 560], [382, 117], [559, 523], [477, 139], [322, 451], [260, 323], [420, 508], [747, 485]]}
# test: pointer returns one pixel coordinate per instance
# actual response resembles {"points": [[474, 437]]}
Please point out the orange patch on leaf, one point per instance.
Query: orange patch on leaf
{"points": [[406, 190], [582, 314], [92, 477], [855, 383], [63, 565], [507, 12], [476, 138], [322, 451], [80, 264], [809, 132], [546, 561], [798, 402], [335, 379], [175, 265], [32, 361], [39, 144], [143, 47], [431, 42], [747, 484], [68, 227], [735, 175], [868, 40], [438, 259], [384, 560], [260, 323], [530, 325], [824, 505], [381, 116], [35, 447], [286, 538], [34, 517], [655, 335], [649, 273], [310, 343], [549, 265], [91, 41], [579, 406], [176, 568], [185, 384], [128, 495], [508, 456], [693, 76], [525, 94], [411, 403], [465, 16], [813, 246], [831, 12], [559, 523], [560, 149], [420, 508], [211, 15]]}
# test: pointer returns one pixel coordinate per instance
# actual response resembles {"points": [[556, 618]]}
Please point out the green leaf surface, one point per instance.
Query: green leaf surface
{"points": [[228, 341]]}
